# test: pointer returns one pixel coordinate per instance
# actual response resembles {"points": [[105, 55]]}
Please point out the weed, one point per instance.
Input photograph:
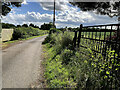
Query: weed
{"points": [[67, 67]]}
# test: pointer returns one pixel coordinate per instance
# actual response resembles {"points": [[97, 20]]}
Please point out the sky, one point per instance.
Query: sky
{"points": [[41, 12]]}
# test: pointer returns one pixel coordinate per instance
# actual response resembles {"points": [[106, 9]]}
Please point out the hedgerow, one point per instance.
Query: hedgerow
{"points": [[25, 32]]}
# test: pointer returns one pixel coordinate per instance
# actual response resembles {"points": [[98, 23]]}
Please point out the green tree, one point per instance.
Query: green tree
{"points": [[110, 8], [32, 25], [104, 8], [47, 26], [18, 25], [7, 25], [24, 25], [6, 6], [35, 26]]}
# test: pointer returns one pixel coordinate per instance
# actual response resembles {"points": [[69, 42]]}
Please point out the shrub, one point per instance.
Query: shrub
{"points": [[66, 56], [53, 30], [25, 32], [47, 39]]}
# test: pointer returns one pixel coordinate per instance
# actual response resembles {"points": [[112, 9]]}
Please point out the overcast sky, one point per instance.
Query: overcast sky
{"points": [[66, 15]]}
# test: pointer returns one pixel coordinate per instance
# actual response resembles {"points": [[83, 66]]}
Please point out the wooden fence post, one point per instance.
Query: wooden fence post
{"points": [[75, 39], [79, 36]]}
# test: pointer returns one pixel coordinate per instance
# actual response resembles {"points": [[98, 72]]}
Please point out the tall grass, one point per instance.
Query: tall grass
{"points": [[68, 67]]}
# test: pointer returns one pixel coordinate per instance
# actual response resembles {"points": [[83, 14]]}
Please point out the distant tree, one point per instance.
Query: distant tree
{"points": [[32, 25], [7, 25], [7, 5], [61, 29], [47, 26], [24, 25], [36, 26], [70, 28], [18, 25]]}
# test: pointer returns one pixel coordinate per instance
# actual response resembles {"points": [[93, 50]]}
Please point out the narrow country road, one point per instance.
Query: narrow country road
{"points": [[21, 63]]}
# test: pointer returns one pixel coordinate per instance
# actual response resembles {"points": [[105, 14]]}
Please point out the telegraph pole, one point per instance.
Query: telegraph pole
{"points": [[119, 14], [54, 15]]}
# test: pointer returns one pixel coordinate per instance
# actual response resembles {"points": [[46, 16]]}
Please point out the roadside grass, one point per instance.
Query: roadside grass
{"points": [[23, 33], [7, 43], [55, 73], [57, 76], [67, 67]]}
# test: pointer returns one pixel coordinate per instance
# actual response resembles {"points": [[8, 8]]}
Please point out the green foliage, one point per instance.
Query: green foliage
{"points": [[68, 67], [25, 32], [7, 5], [94, 72], [56, 74], [19, 26], [47, 39], [100, 7], [7, 25], [32, 25], [66, 56], [47, 26], [24, 25]]}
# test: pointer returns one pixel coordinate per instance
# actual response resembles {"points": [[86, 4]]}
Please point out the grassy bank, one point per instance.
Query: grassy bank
{"points": [[8, 43], [67, 67]]}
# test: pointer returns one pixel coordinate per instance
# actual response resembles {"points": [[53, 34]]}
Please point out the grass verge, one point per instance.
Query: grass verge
{"points": [[12, 42], [67, 67]]}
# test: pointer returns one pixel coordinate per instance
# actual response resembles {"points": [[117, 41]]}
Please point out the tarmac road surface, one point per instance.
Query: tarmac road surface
{"points": [[20, 63]]}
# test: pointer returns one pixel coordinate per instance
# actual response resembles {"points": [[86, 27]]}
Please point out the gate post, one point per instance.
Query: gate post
{"points": [[75, 39], [79, 36]]}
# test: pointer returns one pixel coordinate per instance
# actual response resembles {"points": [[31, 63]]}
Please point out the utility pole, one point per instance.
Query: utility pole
{"points": [[54, 15], [119, 14]]}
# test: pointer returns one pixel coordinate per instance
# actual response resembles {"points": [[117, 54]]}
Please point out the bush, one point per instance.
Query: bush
{"points": [[53, 30], [47, 39], [66, 56], [25, 32]]}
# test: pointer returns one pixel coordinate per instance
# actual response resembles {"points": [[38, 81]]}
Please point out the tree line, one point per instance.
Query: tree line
{"points": [[42, 27]]}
